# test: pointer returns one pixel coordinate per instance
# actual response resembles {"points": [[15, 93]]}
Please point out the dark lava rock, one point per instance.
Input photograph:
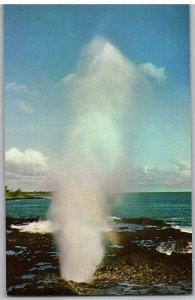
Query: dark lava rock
{"points": [[131, 269], [144, 221]]}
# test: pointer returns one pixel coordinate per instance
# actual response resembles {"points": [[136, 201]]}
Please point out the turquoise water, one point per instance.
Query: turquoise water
{"points": [[26, 208], [169, 207], [172, 207]]}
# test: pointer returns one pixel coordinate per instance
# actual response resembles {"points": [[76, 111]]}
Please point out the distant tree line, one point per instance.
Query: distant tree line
{"points": [[19, 194]]}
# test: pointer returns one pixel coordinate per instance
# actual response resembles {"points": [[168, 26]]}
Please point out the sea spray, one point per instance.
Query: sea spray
{"points": [[98, 92]]}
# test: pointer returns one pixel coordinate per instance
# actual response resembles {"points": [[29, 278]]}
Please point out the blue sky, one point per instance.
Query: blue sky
{"points": [[43, 44]]}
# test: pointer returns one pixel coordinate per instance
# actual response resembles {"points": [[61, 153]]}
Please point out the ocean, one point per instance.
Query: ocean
{"points": [[151, 256], [171, 207]]}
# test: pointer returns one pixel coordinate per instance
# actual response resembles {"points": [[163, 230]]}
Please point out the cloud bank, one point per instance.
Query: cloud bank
{"points": [[175, 177], [25, 169]]}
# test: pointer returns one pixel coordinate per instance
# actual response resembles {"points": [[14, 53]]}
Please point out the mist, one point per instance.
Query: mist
{"points": [[99, 91]]}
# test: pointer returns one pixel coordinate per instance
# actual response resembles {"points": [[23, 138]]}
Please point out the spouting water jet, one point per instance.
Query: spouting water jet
{"points": [[98, 91]]}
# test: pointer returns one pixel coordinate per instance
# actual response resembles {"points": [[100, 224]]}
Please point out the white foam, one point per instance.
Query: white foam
{"points": [[43, 227], [189, 248], [114, 218], [162, 248], [116, 246], [36, 227], [187, 229]]}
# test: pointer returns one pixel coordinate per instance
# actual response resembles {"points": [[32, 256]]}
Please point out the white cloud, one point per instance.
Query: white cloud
{"points": [[25, 168], [182, 165], [28, 162], [16, 86], [68, 77], [152, 70], [144, 178], [177, 176], [24, 106], [19, 87]]}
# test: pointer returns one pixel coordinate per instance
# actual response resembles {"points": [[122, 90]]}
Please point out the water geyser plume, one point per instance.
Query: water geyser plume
{"points": [[98, 91]]}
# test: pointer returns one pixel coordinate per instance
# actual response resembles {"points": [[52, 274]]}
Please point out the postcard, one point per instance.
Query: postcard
{"points": [[97, 150]]}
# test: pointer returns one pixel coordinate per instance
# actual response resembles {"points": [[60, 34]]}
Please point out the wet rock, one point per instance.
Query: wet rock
{"points": [[143, 270]]}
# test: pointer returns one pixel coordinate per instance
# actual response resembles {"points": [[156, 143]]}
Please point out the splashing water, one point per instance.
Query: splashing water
{"points": [[98, 91]]}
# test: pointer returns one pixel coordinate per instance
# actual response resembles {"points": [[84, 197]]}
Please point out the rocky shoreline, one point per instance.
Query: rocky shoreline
{"points": [[132, 263]]}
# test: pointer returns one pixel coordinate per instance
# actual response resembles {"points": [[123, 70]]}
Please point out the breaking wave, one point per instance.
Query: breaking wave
{"points": [[41, 227]]}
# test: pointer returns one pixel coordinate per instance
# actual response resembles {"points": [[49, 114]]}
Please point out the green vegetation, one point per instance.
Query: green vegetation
{"points": [[19, 194]]}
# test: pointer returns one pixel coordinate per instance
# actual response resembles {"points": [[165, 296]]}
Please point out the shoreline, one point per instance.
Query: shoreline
{"points": [[43, 194], [130, 266], [27, 197]]}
